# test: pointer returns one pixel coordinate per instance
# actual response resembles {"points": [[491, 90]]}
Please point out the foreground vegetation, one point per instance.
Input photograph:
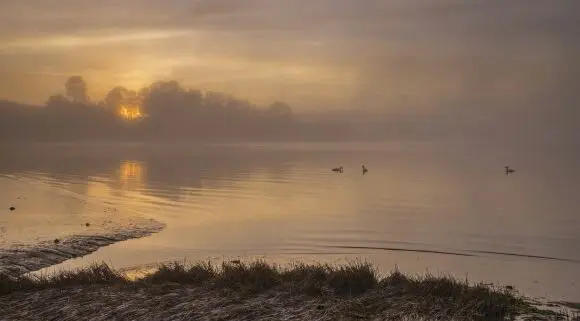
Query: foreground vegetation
{"points": [[353, 291]]}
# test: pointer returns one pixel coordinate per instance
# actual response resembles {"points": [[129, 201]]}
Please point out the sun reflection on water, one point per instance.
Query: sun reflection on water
{"points": [[131, 173]]}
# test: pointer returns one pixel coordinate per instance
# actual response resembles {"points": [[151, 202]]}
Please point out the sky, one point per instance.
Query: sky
{"points": [[317, 55]]}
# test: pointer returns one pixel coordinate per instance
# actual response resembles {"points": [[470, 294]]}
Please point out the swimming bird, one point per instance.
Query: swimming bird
{"points": [[12, 208], [509, 170], [364, 169], [337, 169]]}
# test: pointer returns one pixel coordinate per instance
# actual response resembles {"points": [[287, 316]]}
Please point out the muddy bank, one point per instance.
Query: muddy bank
{"points": [[168, 302], [173, 301], [18, 260]]}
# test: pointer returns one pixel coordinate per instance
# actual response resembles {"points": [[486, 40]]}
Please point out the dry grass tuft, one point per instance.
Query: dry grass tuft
{"points": [[94, 274], [356, 286]]}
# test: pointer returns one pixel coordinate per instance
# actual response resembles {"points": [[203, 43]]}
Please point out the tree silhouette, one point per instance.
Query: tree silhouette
{"points": [[162, 111], [117, 96], [76, 89], [280, 109]]}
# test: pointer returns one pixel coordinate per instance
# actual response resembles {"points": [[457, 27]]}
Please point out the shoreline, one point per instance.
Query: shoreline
{"points": [[260, 291], [16, 261]]}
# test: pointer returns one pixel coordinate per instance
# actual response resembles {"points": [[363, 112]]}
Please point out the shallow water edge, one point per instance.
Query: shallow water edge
{"points": [[18, 260]]}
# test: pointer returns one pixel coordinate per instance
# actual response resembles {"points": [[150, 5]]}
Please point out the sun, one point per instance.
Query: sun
{"points": [[130, 111]]}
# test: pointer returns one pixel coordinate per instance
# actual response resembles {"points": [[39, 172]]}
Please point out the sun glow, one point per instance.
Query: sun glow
{"points": [[130, 111]]}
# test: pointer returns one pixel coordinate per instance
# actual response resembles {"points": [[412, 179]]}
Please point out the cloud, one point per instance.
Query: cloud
{"points": [[72, 41]]}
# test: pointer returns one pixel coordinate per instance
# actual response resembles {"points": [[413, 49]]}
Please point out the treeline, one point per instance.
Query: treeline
{"points": [[161, 111]]}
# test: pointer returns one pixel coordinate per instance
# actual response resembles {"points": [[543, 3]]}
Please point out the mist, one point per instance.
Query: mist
{"points": [[281, 70], [167, 111]]}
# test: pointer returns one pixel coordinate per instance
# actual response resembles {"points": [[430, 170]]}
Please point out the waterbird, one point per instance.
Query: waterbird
{"points": [[338, 169], [364, 169], [509, 170], [12, 208]]}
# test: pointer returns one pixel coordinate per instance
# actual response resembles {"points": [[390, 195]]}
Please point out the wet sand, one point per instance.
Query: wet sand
{"points": [[18, 260], [47, 224]]}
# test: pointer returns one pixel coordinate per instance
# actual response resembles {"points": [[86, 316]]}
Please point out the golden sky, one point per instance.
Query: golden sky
{"points": [[313, 54]]}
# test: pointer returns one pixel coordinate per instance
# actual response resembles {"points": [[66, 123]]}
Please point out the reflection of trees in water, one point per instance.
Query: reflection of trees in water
{"points": [[149, 168], [166, 170], [212, 168]]}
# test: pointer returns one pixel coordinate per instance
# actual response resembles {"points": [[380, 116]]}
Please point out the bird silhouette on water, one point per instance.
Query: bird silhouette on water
{"points": [[509, 170], [364, 169], [338, 169]]}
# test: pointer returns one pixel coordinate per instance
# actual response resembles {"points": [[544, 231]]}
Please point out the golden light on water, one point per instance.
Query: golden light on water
{"points": [[131, 173]]}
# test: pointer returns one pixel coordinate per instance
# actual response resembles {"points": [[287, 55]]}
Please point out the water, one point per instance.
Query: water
{"points": [[421, 207]]}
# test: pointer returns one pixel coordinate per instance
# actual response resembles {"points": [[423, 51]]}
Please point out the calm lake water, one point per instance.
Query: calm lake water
{"points": [[421, 207]]}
